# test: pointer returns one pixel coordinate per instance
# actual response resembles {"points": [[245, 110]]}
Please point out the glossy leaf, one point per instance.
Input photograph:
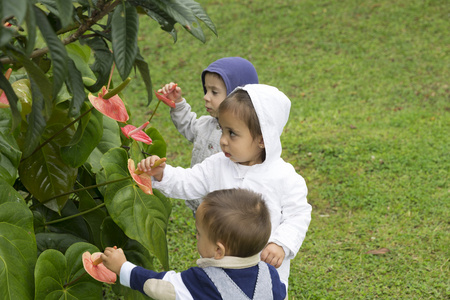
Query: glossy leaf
{"points": [[94, 219], [65, 9], [45, 174], [81, 54], [56, 241], [200, 13], [142, 66], [9, 150], [22, 88], [11, 8], [158, 146], [142, 217], [125, 27], [17, 245], [76, 87], [109, 140], [102, 64], [84, 141], [36, 122], [12, 99], [55, 275], [31, 28], [57, 51]]}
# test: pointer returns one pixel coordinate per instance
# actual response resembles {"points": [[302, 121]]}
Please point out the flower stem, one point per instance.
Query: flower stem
{"points": [[154, 111], [86, 188], [76, 215], [57, 133], [75, 280]]}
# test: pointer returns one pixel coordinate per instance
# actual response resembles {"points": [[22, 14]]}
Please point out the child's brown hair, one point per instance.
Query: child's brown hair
{"points": [[238, 218]]}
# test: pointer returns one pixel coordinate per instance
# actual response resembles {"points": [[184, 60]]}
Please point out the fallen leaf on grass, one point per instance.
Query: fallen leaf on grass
{"points": [[378, 251]]}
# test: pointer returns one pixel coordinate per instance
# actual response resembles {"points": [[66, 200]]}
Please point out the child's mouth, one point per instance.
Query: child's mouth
{"points": [[227, 154]]}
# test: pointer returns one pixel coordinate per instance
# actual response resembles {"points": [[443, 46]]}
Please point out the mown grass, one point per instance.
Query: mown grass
{"points": [[369, 131]]}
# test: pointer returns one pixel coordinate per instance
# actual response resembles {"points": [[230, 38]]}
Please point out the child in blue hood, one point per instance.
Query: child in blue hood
{"points": [[219, 79]]}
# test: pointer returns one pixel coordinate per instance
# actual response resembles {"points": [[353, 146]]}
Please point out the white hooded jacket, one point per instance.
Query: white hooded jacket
{"points": [[281, 187]]}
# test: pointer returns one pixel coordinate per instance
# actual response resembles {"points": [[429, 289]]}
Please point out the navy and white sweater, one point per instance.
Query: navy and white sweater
{"points": [[194, 283]]}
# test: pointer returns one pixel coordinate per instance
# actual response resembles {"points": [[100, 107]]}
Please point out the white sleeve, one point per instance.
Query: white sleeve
{"points": [[184, 120], [125, 273], [181, 289], [296, 213], [187, 184]]}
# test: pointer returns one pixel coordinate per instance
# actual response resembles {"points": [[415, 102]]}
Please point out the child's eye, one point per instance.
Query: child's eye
{"points": [[232, 133]]}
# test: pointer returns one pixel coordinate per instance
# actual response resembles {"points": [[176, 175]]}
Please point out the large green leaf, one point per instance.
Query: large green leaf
{"points": [[125, 27], [9, 150], [57, 276], [36, 122], [65, 9], [12, 99], [76, 86], [17, 245], [84, 141], [142, 217], [94, 218], [143, 68], [158, 145], [81, 54], [45, 174], [7, 9], [112, 235], [156, 10], [109, 140], [56, 241], [57, 51], [102, 64], [200, 13]]}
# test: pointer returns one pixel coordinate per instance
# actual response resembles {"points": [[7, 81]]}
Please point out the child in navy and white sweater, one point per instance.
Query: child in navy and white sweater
{"points": [[233, 226]]}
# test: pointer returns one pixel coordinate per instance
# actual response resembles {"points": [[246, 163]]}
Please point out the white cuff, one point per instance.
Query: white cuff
{"points": [[125, 273]]}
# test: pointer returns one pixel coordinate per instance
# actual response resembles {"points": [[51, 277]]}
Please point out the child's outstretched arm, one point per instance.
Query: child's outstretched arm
{"points": [[171, 91], [273, 254], [113, 259], [147, 165]]}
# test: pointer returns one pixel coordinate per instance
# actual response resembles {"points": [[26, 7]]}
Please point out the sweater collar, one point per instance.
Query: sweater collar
{"points": [[230, 262]]}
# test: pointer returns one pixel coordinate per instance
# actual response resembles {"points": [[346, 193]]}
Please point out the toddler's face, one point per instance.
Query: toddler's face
{"points": [[237, 142], [216, 91]]}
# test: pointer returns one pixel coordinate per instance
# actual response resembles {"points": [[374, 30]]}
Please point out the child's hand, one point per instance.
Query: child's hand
{"points": [[113, 259], [171, 91], [146, 165], [273, 254]]}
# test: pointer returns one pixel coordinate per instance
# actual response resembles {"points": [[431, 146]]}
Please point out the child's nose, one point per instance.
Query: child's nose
{"points": [[223, 140]]}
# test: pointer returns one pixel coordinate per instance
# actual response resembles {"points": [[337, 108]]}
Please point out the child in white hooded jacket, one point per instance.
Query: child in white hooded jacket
{"points": [[252, 119]]}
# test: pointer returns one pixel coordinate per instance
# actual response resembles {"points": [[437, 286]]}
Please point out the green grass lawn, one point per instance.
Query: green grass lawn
{"points": [[368, 130]]}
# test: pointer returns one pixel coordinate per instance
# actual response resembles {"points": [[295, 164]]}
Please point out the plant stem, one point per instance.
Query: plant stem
{"points": [[74, 216], [151, 117], [85, 188], [75, 280], [57, 133]]}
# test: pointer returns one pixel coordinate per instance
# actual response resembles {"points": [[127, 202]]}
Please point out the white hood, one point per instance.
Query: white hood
{"points": [[272, 107]]}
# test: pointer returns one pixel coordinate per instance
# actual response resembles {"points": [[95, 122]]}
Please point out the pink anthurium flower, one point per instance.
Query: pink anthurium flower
{"points": [[112, 107], [94, 266], [137, 133], [143, 180], [3, 100], [164, 99]]}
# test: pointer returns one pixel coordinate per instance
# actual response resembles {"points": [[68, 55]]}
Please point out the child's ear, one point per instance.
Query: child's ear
{"points": [[261, 143], [220, 251]]}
